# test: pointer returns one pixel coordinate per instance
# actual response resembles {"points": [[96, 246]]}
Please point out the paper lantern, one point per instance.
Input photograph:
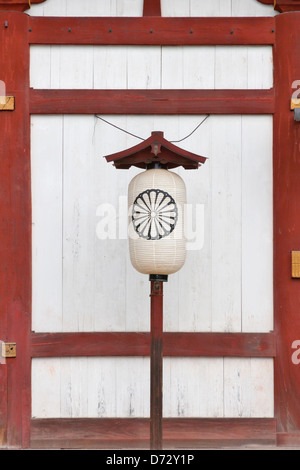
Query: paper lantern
{"points": [[156, 200]]}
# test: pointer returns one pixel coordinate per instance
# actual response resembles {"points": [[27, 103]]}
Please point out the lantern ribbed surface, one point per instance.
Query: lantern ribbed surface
{"points": [[156, 200]]}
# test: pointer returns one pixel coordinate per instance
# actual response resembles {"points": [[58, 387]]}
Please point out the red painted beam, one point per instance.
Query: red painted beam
{"points": [[138, 344], [134, 433], [152, 31], [152, 8], [286, 171], [151, 101], [15, 231]]}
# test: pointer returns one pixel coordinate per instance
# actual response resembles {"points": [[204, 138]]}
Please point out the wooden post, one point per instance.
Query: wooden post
{"points": [[286, 227], [156, 379], [15, 232]]}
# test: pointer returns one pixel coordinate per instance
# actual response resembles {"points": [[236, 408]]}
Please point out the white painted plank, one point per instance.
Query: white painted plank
{"points": [[45, 388], [172, 67], [231, 70], [211, 8], [226, 223], [74, 388], [91, 8], [91, 387], [151, 67], [79, 224], [251, 8], [257, 224], [76, 67], [195, 288], [193, 387], [46, 163], [129, 7], [260, 67], [144, 67], [262, 388], [110, 67], [40, 66], [248, 388], [175, 8]]}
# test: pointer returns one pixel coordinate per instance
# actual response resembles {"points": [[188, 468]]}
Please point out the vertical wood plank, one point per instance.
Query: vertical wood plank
{"points": [[251, 8], [79, 224], [108, 60], [46, 392], [226, 220], [175, 8], [257, 224], [144, 67], [47, 223], [260, 67], [212, 8], [40, 66], [193, 387], [231, 67], [237, 387]]}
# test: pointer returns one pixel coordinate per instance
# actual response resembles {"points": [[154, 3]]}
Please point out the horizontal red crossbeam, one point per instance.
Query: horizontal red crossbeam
{"points": [[151, 101], [134, 433], [151, 31], [138, 344]]}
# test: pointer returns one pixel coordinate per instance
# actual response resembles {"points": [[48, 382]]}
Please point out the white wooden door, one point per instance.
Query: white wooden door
{"points": [[82, 276]]}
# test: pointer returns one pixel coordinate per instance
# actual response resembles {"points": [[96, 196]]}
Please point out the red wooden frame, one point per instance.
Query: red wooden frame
{"points": [[152, 8], [286, 226], [152, 31], [15, 247], [138, 344], [152, 101], [131, 433]]}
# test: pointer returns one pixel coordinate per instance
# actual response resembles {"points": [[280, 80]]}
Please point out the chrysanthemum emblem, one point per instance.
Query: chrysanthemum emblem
{"points": [[154, 214]]}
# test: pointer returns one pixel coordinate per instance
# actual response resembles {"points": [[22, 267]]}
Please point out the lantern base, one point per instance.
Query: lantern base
{"points": [[158, 277]]}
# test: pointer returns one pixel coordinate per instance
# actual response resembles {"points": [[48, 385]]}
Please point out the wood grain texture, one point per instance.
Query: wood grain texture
{"points": [[134, 433], [151, 102], [152, 8], [152, 31], [138, 344], [286, 222], [15, 227]]}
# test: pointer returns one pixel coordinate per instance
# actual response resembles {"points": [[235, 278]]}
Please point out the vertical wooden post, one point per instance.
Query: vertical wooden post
{"points": [[15, 231], [152, 8], [156, 379], [286, 170]]}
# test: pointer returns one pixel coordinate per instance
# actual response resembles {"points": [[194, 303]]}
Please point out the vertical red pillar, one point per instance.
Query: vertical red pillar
{"points": [[286, 225], [152, 8], [156, 366], [15, 231]]}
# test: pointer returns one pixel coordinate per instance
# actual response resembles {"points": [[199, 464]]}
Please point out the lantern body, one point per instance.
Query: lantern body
{"points": [[156, 200]]}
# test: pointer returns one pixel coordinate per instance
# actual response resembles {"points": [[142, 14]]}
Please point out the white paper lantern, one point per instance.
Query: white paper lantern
{"points": [[156, 200]]}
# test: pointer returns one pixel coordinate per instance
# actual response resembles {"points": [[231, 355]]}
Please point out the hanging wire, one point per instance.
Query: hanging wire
{"points": [[117, 127], [189, 135], [141, 138]]}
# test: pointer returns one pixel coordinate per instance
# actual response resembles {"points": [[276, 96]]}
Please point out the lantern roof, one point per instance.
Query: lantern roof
{"points": [[155, 149]]}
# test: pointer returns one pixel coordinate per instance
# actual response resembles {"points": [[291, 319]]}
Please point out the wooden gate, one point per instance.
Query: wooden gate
{"points": [[71, 301]]}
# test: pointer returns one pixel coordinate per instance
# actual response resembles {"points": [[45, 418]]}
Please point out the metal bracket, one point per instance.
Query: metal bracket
{"points": [[9, 350], [295, 106], [7, 103]]}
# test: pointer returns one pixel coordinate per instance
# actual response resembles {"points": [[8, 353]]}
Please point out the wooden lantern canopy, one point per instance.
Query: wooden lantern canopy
{"points": [[156, 199]]}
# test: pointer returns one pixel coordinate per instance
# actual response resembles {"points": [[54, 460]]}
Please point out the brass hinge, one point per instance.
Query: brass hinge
{"points": [[9, 350], [7, 103]]}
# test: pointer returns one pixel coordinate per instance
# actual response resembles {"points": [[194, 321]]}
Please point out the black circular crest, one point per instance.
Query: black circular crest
{"points": [[154, 214]]}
